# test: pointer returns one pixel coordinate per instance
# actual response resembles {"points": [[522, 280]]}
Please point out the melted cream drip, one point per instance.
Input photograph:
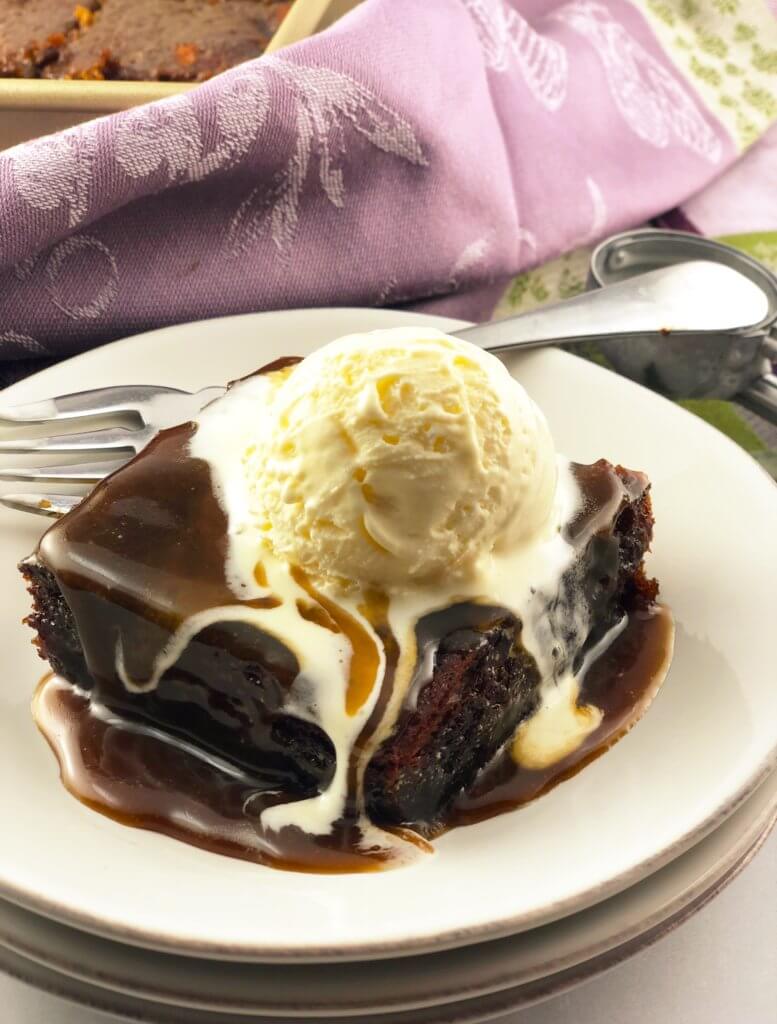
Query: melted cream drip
{"points": [[556, 729]]}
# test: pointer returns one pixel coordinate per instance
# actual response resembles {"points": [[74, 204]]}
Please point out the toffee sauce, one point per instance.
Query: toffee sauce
{"points": [[142, 778], [200, 755]]}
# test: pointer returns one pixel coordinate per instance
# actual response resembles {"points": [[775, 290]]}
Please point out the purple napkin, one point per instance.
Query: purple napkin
{"points": [[743, 201], [416, 153]]}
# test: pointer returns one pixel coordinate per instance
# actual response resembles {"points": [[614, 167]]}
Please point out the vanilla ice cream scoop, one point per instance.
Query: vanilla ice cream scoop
{"points": [[398, 456]]}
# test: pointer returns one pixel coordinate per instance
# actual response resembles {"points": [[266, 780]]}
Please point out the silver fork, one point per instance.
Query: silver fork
{"points": [[145, 408]]}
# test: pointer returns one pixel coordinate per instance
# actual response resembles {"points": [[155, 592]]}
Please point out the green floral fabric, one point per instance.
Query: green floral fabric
{"points": [[727, 50]]}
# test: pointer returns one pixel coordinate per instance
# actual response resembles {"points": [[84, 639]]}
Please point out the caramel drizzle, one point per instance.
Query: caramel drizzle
{"points": [[365, 655], [268, 602]]}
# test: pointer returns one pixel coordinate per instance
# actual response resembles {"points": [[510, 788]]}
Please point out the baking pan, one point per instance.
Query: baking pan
{"points": [[30, 108]]}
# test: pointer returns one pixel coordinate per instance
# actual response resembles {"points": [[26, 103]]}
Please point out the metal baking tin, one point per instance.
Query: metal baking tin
{"points": [[30, 108]]}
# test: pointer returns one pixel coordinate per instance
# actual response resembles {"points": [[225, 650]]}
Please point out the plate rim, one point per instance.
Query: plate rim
{"points": [[499, 1002], [452, 937], [709, 879]]}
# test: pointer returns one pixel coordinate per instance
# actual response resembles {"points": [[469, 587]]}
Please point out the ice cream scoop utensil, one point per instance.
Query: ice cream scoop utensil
{"points": [[699, 329]]}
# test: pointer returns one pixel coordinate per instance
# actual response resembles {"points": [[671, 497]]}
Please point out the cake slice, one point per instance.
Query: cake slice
{"points": [[481, 686], [167, 40], [210, 684], [134, 40]]}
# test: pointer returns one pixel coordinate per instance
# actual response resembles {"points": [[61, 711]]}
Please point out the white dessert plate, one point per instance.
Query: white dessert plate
{"points": [[458, 986], [708, 741], [577, 946]]}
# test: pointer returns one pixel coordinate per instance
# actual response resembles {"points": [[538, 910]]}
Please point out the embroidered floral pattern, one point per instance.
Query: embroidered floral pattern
{"points": [[166, 135], [471, 258], [653, 103], [55, 172], [82, 277], [505, 36], [14, 345], [170, 136], [326, 104], [24, 268], [761, 244]]}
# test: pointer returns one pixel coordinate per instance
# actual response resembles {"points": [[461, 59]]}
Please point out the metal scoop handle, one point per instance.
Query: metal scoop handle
{"points": [[697, 296], [702, 304]]}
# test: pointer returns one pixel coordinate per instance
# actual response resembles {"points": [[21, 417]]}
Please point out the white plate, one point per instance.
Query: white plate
{"points": [[455, 987], [577, 946], [709, 739]]}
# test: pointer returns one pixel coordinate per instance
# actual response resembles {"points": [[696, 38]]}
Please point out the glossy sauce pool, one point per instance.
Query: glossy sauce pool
{"points": [[147, 779]]}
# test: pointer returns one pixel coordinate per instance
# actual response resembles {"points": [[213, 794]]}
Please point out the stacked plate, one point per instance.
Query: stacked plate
{"points": [[505, 912]]}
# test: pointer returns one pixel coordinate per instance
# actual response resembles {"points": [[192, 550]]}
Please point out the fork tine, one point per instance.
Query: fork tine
{"points": [[52, 505], [111, 439], [98, 402], [73, 473]]}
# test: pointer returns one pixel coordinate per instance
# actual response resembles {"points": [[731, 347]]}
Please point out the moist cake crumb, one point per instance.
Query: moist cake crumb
{"points": [[133, 40]]}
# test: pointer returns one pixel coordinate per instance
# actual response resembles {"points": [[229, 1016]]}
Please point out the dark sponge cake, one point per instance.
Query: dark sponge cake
{"points": [[236, 717], [482, 686], [168, 40], [134, 40], [484, 683]]}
